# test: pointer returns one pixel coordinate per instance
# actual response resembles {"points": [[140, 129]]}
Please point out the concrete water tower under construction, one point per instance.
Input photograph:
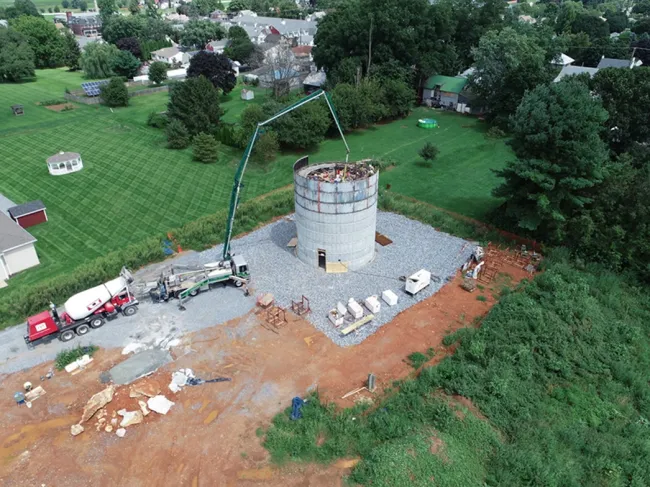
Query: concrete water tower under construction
{"points": [[336, 213]]}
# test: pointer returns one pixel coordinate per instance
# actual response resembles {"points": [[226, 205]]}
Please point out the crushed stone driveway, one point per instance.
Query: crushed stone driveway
{"points": [[153, 325]]}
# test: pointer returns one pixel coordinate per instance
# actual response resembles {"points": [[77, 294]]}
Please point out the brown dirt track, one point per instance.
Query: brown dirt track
{"points": [[209, 436]]}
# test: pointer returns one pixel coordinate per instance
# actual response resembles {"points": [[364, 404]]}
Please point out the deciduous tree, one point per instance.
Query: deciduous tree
{"points": [[215, 67], [158, 72], [507, 65], [560, 158], [411, 32], [97, 60], [195, 103], [358, 106], [107, 8], [16, 57], [44, 38], [304, 127], [197, 33], [25, 7], [131, 44], [625, 94]]}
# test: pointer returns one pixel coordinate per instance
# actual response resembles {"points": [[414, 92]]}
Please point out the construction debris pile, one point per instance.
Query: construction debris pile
{"points": [[485, 264], [341, 173]]}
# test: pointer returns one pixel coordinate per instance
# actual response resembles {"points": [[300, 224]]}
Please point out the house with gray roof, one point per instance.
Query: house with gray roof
{"points": [[574, 71], [607, 62], [300, 31], [17, 251]]}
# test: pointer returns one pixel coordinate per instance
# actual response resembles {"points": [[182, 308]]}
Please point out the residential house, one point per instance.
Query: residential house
{"points": [[300, 32], [219, 15], [17, 251], [303, 53], [171, 55], [314, 81], [176, 18], [606, 62], [527, 19], [562, 60], [84, 25], [573, 71], [217, 46], [444, 91]]}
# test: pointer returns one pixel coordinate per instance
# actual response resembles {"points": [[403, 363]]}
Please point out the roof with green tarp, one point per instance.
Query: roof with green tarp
{"points": [[446, 83]]}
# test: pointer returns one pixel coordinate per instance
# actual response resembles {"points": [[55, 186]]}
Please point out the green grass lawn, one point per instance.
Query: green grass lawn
{"points": [[132, 186]]}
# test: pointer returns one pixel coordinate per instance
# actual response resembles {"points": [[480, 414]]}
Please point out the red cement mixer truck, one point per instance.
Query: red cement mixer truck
{"points": [[83, 311]]}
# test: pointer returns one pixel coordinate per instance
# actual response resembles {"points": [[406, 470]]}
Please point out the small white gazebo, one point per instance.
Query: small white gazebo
{"points": [[64, 163]]}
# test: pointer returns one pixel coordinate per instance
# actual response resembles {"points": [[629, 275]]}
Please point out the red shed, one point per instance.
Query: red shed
{"points": [[29, 214]]}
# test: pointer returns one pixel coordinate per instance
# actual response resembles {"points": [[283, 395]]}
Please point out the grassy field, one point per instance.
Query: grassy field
{"points": [[559, 369], [132, 186]]}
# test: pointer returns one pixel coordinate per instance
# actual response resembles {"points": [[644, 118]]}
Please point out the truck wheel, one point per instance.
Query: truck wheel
{"points": [[66, 336], [130, 311], [97, 322], [82, 329], [194, 292], [238, 284]]}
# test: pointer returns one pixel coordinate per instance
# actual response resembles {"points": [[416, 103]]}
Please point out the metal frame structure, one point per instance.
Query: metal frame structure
{"points": [[237, 186]]}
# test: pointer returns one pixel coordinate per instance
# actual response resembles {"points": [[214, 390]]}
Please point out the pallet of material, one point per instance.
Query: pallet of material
{"points": [[356, 325]]}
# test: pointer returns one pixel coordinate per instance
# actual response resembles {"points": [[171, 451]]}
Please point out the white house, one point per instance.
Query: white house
{"points": [[17, 251], [171, 55]]}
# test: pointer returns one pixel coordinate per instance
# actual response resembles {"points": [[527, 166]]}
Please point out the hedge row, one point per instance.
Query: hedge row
{"points": [[200, 234]]}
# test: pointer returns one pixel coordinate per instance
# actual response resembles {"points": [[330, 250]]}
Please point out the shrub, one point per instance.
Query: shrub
{"points": [[157, 120], [177, 135], [495, 133], [429, 152], [158, 72], [205, 148], [66, 357], [417, 360], [267, 147], [115, 93]]}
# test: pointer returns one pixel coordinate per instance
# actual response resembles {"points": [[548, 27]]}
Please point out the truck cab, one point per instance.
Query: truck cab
{"points": [[239, 266], [41, 325]]}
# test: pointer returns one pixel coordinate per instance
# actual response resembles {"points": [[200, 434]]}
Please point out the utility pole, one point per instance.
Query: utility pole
{"points": [[369, 46]]}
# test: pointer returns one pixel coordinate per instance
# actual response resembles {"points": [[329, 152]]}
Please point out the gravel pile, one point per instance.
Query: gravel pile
{"points": [[275, 269]]}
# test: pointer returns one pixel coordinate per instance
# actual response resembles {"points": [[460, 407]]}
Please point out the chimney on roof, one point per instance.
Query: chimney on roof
{"points": [[68, 15]]}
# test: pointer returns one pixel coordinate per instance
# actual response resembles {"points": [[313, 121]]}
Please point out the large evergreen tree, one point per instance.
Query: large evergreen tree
{"points": [[560, 157], [195, 103]]}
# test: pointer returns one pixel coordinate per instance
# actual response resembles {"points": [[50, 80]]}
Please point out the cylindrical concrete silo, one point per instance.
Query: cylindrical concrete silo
{"points": [[336, 213]]}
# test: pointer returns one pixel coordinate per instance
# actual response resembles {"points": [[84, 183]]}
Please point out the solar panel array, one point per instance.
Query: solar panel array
{"points": [[93, 88]]}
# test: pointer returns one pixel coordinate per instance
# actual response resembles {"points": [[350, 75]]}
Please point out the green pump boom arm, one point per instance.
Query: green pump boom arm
{"points": [[236, 189]]}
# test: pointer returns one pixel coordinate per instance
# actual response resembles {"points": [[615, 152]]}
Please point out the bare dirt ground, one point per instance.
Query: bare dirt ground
{"points": [[61, 107], [209, 436]]}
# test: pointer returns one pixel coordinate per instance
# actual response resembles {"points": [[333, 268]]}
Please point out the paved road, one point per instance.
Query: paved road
{"points": [[154, 323]]}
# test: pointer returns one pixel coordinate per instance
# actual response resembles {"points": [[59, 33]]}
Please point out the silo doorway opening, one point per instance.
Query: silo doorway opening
{"points": [[322, 259]]}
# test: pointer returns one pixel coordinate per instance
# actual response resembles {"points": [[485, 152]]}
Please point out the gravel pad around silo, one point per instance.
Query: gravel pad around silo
{"points": [[276, 270]]}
